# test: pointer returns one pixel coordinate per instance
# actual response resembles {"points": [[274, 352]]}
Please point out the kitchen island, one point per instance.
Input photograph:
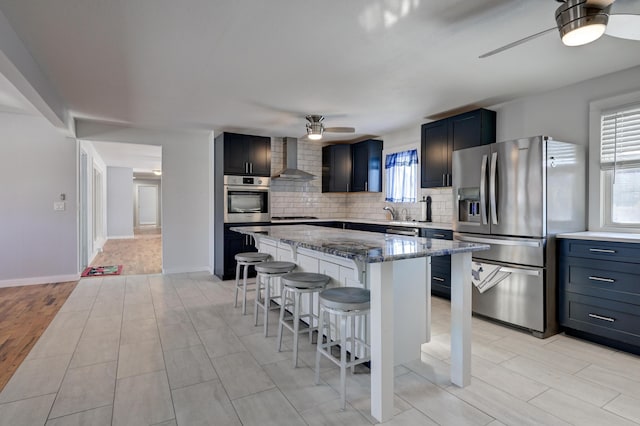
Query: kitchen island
{"points": [[395, 269]]}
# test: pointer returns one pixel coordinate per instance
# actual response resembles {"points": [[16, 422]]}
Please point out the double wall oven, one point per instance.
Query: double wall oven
{"points": [[246, 199]]}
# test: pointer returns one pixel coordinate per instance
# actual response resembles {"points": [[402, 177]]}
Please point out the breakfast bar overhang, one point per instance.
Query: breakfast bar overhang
{"points": [[395, 269]]}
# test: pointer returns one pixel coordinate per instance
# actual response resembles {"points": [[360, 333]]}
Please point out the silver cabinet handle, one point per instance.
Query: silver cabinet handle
{"points": [[366, 186], [438, 279], [251, 168], [492, 188], [604, 280], [597, 250], [483, 189], [600, 317], [449, 179], [439, 235], [443, 178], [347, 187]]}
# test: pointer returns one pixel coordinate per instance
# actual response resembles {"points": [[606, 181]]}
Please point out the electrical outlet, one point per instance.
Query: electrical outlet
{"points": [[58, 206]]}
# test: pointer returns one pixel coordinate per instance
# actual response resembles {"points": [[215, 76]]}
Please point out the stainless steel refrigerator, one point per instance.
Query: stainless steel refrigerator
{"points": [[516, 195]]}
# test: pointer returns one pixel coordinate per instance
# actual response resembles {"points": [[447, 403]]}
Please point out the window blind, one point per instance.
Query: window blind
{"points": [[620, 138]]}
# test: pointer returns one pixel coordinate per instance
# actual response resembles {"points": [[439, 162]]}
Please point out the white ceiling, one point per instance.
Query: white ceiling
{"points": [[140, 158], [260, 66]]}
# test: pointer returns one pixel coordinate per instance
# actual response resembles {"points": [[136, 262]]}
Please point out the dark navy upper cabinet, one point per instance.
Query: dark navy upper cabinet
{"points": [[367, 166], [352, 168], [336, 168], [599, 291], [440, 138], [246, 154]]}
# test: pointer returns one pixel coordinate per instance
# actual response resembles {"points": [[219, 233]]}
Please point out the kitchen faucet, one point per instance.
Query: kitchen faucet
{"points": [[394, 214]]}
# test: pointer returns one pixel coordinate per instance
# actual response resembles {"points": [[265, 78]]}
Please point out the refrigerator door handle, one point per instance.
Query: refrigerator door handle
{"points": [[499, 242], [492, 188], [532, 272], [483, 189]]}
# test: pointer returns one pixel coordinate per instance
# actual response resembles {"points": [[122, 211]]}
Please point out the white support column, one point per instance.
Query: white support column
{"points": [[461, 319], [380, 283]]}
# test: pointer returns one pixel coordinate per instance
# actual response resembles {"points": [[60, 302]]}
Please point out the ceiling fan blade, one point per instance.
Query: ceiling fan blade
{"points": [[340, 129], [515, 43], [624, 26]]}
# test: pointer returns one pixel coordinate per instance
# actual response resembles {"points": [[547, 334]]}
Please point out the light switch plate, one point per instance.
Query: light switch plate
{"points": [[58, 206]]}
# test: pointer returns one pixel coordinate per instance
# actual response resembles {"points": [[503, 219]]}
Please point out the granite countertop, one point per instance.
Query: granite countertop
{"points": [[411, 223], [619, 237], [368, 247]]}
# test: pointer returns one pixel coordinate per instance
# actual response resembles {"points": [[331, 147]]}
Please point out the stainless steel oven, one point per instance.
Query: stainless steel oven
{"points": [[246, 199]]}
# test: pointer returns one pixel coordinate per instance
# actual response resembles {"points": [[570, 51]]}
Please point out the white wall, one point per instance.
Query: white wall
{"points": [[119, 202], [562, 113], [94, 161], [186, 237], [37, 164]]}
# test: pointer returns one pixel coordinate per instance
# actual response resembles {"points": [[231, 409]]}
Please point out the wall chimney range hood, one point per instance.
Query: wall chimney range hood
{"points": [[291, 171]]}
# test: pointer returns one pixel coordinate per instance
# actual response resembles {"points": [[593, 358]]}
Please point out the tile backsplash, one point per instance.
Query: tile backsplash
{"points": [[307, 199]]}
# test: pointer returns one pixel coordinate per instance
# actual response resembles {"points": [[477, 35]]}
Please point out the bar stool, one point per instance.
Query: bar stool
{"points": [[346, 303], [245, 260], [267, 271], [294, 285]]}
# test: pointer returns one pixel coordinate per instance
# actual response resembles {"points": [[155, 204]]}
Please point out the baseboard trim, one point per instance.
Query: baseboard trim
{"points": [[185, 270], [39, 280], [121, 237]]}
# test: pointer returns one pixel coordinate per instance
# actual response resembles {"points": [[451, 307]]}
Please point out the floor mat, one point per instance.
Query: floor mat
{"points": [[100, 271]]}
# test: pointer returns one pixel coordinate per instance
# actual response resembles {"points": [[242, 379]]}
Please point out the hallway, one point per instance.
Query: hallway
{"points": [[139, 255]]}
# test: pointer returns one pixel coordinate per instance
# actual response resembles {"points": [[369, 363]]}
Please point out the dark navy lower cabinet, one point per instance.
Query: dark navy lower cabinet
{"points": [[440, 265], [599, 291]]}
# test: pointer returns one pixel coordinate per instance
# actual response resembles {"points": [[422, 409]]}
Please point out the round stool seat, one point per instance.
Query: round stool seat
{"points": [[305, 280], [251, 257], [275, 267], [346, 298]]}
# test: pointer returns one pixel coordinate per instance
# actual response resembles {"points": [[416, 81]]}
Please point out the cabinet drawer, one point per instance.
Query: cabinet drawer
{"points": [[614, 320], [441, 263], [598, 278], [441, 234], [620, 252]]}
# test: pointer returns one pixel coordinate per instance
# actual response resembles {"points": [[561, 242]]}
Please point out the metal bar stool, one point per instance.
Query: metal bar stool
{"points": [[346, 303], [266, 272], [294, 285], [245, 260]]}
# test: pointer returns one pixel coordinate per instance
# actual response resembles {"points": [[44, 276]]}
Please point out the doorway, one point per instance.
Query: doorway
{"points": [[124, 206], [147, 205]]}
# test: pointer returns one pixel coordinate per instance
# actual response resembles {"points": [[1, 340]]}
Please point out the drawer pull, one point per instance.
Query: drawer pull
{"points": [[439, 235], [604, 280], [596, 250], [438, 279], [600, 317]]}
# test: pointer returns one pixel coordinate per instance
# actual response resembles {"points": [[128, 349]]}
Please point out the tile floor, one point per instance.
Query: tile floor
{"points": [[167, 350]]}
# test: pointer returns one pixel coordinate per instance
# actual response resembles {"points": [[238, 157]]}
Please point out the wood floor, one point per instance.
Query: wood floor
{"points": [[25, 312], [139, 255]]}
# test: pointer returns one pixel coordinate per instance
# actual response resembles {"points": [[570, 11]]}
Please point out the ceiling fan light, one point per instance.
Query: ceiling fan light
{"points": [[580, 23], [314, 130], [583, 35]]}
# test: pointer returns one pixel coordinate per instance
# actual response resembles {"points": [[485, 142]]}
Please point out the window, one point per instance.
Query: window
{"points": [[620, 166], [401, 176]]}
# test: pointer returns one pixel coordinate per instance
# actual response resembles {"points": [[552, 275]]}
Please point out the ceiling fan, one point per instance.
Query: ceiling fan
{"points": [[583, 21], [315, 127]]}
